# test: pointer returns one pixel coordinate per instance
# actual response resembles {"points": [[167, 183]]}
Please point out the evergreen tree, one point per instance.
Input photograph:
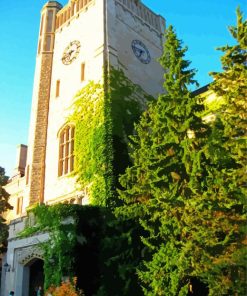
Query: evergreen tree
{"points": [[223, 198], [156, 187], [231, 86], [214, 216], [187, 185], [3, 177], [4, 206]]}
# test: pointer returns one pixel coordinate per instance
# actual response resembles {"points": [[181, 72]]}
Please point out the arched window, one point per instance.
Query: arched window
{"points": [[66, 150]]}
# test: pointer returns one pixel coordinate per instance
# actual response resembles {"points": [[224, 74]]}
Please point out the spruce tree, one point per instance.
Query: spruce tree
{"points": [[187, 185], [215, 214], [157, 185], [231, 86], [223, 198]]}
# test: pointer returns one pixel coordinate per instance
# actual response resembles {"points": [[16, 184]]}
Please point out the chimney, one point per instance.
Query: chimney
{"points": [[21, 159]]}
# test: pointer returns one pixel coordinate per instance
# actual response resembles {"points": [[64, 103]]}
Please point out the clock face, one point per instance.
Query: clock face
{"points": [[141, 51], [71, 52]]}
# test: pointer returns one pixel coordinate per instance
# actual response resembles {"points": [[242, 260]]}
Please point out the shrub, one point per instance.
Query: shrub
{"points": [[67, 288]]}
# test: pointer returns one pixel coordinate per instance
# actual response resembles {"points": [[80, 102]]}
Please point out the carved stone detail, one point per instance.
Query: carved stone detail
{"points": [[25, 255]]}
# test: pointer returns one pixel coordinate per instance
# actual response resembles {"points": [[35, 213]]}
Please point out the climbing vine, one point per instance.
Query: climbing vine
{"points": [[92, 165], [104, 116], [70, 229]]}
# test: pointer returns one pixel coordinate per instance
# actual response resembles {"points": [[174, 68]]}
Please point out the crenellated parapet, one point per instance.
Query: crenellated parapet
{"points": [[74, 7], [70, 10], [144, 13]]}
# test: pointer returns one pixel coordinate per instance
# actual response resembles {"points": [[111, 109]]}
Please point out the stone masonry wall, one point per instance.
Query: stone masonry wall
{"points": [[39, 151]]}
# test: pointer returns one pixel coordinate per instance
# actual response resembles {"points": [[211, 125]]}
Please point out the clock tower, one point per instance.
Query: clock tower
{"points": [[76, 44]]}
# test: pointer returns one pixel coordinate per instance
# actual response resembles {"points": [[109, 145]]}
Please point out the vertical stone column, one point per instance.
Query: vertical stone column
{"points": [[40, 104]]}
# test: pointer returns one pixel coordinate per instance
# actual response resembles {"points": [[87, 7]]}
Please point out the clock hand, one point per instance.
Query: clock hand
{"points": [[139, 52], [71, 51], [67, 56]]}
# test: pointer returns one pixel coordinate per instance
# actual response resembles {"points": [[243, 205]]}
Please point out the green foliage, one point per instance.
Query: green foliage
{"points": [[232, 87], [72, 247], [226, 267], [92, 164], [127, 101], [3, 177], [4, 206], [87, 242], [120, 254], [60, 221], [121, 250], [187, 185], [156, 186], [104, 117]]}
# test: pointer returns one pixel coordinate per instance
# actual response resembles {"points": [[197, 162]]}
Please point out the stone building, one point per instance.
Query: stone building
{"points": [[75, 45]]}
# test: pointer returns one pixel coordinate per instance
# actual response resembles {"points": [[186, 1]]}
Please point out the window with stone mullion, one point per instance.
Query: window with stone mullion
{"points": [[66, 151]]}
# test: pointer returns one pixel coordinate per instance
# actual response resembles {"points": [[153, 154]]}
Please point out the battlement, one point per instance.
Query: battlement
{"points": [[134, 6], [70, 10], [144, 13]]}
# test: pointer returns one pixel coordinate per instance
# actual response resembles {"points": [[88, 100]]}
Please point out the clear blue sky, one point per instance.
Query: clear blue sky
{"points": [[201, 24]]}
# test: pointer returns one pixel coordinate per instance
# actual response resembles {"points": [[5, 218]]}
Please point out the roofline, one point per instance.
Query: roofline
{"points": [[201, 90]]}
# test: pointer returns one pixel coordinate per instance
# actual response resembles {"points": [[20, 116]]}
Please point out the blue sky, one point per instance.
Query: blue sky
{"points": [[201, 24]]}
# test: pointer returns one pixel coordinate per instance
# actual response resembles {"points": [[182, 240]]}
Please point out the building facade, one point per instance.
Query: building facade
{"points": [[76, 44]]}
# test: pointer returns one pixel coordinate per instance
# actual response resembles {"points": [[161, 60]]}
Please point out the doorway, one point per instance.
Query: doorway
{"points": [[36, 279]]}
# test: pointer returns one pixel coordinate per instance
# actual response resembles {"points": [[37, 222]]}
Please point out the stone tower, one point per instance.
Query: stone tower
{"points": [[76, 43]]}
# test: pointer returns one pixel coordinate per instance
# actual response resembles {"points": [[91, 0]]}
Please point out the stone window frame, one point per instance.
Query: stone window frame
{"points": [[66, 150]]}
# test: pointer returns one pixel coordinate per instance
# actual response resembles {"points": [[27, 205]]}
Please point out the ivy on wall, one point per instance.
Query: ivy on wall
{"points": [[104, 116], [89, 243], [93, 163], [74, 233]]}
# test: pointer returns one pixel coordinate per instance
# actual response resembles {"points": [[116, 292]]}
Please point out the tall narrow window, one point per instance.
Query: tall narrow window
{"points": [[49, 23], [41, 25], [57, 88], [47, 45], [27, 175], [19, 205], [82, 71], [66, 150]]}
